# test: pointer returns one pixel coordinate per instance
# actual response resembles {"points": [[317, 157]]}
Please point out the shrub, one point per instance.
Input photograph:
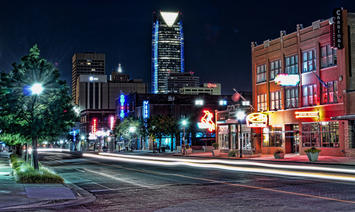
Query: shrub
{"points": [[215, 145], [232, 153], [312, 150], [25, 173], [278, 154]]}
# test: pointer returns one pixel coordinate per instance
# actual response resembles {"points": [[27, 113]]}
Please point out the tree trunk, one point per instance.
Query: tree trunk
{"points": [[34, 154], [172, 142], [160, 137]]}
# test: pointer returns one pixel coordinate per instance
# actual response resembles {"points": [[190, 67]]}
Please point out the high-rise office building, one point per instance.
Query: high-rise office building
{"points": [[167, 49], [178, 80], [88, 64]]}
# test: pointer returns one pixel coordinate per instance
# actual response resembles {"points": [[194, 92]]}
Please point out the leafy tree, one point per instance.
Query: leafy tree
{"points": [[35, 117], [125, 130], [162, 125]]}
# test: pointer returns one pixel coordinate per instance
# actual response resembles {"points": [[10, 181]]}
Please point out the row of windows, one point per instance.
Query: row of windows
{"points": [[318, 134], [328, 58], [309, 96]]}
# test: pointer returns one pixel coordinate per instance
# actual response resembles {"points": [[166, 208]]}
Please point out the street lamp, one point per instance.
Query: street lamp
{"points": [[132, 129], [36, 89], [184, 124], [240, 116]]}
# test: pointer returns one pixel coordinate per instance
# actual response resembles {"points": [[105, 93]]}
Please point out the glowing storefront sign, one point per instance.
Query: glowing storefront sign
{"points": [[94, 126], [122, 101], [307, 114], [257, 120], [211, 85], [112, 122], [287, 79], [207, 121], [145, 109]]}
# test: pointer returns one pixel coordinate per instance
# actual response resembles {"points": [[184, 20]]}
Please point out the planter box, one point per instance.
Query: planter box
{"points": [[313, 157], [279, 155], [216, 152], [188, 151]]}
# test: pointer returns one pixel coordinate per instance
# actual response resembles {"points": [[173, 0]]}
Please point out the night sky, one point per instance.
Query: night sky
{"points": [[217, 33]]}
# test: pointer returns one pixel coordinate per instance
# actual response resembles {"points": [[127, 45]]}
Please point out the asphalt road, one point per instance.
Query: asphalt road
{"points": [[130, 186]]}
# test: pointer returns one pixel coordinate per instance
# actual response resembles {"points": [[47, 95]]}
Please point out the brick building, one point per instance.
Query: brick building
{"points": [[318, 110]]}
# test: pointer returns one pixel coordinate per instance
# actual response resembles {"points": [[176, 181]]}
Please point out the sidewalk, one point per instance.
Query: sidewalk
{"points": [[296, 158], [16, 196]]}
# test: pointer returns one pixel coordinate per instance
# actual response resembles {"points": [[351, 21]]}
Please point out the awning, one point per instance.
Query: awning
{"points": [[345, 117]]}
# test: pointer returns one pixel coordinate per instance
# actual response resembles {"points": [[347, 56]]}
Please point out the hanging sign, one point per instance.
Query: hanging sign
{"points": [[256, 120], [287, 79], [207, 121]]}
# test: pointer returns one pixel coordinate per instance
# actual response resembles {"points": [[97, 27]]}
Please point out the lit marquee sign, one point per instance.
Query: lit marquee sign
{"points": [[145, 109], [256, 120], [207, 121], [287, 79], [122, 101], [307, 114], [94, 126]]}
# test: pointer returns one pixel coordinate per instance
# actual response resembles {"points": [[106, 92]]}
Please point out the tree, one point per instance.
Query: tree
{"points": [[128, 129], [162, 125], [36, 115]]}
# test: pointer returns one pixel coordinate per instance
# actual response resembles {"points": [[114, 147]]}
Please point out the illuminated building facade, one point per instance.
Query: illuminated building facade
{"points": [[304, 83], [206, 88], [167, 49], [200, 130], [85, 63], [179, 80]]}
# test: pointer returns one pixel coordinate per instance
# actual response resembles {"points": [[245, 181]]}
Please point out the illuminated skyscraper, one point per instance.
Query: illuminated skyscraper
{"points": [[167, 49]]}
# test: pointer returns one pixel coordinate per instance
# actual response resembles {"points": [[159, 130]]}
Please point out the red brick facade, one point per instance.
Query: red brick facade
{"points": [[327, 89]]}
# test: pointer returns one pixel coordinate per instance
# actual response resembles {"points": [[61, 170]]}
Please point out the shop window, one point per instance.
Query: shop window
{"points": [[261, 73], [328, 56], [261, 102], [275, 69], [352, 133], [329, 93], [291, 97], [320, 134], [309, 93], [291, 64], [273, 138], [309, 61], [275, 100]]}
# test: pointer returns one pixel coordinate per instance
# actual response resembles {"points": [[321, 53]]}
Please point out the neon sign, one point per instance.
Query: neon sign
{"points": [[145, 109], [207, 121], [112, 122], [211, 85], [257, 120], [287, 79], [122, 101], [94, 126], [306, 114]]}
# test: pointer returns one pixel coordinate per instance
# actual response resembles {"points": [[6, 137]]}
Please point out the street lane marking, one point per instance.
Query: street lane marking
{"points": [[233, 184], [236, 162], [118, 179], [348, 178]]}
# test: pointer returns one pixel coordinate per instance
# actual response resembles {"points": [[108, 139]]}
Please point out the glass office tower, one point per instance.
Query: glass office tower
{"points": [[167, 49]]}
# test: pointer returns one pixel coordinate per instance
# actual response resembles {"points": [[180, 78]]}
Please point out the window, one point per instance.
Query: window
{"points": [[275, 69], [309, 94], [309, 61], [273, 138], [291, 97], [261, 102], [261, 73], [275, 100], [320, 134], [328, 56], [329, 93], [291, 64]]}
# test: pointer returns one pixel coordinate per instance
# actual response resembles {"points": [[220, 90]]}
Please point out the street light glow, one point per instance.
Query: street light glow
{"points": [[184, 122], [240, 115], [132, 129], [36, 89]]}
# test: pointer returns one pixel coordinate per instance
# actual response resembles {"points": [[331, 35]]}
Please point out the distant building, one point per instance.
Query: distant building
{"points": [[97, 96], [167, 49], [85, 63], [180, 80], [207, 88]]}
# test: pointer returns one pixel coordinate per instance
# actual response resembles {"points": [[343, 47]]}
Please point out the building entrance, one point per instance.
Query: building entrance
{"points": [[292, 138]]}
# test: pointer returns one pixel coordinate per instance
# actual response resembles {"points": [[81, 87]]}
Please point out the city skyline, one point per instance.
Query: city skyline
{"points": [[217, 35]]}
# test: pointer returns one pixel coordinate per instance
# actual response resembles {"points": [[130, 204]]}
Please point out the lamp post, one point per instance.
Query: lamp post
{"points": [[36, 90], [240, 116], [132, 130], [184, 124]]}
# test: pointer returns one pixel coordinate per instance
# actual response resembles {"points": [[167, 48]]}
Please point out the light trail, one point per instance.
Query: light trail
{"points": [[236, 162], [326, 176]]}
